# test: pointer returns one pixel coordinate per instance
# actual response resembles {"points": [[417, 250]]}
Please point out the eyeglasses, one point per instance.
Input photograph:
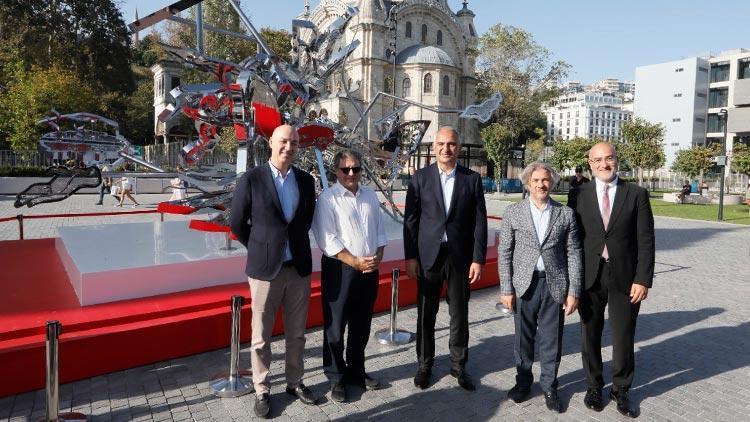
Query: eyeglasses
{"points": [[353, 170], [598, 160]]}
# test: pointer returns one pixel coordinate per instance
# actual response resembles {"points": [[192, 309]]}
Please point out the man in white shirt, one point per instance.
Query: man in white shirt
{"points": [[348, 228]]}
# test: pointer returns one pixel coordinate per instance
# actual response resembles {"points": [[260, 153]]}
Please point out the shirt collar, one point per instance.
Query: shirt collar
{"points": [[340, 190], [277, 173], [449, 174], [600, 184], [541, 210]]}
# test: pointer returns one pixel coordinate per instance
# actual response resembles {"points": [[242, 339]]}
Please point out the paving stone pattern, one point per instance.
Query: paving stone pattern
{"points": [[692, 352]]}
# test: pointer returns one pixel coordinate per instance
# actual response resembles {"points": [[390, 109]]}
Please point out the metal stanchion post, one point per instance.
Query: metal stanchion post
{"points": [[228, 246], [392, 336], [235, 382], [19, 217], [53, 393]]}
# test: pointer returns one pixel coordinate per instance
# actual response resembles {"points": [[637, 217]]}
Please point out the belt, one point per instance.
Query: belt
{"points": [[540, 274], [289, 263]]}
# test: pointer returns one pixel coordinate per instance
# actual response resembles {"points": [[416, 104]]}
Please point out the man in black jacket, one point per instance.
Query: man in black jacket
{"points": [[445, 239], [617, 228], [272, 211]]}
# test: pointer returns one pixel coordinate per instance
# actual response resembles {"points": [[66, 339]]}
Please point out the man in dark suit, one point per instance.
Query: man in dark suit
{"points": [[272, 211], [445, 239], [617, 228]]}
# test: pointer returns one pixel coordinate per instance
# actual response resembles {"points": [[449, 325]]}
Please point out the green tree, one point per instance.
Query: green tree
{"points": [[695, 161], [31, 97], [498, 141], [511, 62], [535, 147], [643, 146], [571, 153], [741, 162]]}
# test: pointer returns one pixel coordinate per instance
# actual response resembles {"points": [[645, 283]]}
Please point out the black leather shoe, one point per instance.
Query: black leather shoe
{"points": [[623, 403], [519, 394], [304, 394], [552, 401], [338, 392], [593, 399], [464, 380], [422, 379], [262, 405], [365, 381]]}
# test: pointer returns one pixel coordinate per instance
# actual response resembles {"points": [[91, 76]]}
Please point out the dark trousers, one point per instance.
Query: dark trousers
{"points": [[102, 190], [348, 300], [538, 317], [622, 318], [429, 287]]}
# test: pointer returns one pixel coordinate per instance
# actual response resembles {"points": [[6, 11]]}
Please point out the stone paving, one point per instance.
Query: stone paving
{"points": [[692, 351]]}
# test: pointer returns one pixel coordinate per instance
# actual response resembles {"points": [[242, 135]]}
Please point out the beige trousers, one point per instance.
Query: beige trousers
{"points": [[292, 293]]}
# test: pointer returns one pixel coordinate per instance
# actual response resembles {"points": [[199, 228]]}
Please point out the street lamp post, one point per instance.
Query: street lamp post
{"points": [[722, 162]]}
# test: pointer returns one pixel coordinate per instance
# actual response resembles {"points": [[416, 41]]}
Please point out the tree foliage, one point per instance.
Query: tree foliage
{"points": [[535, 147], [741, 158], [32, 96], [568, 154], [695, 161], [643, 146], [511, 62], [498, 140]]}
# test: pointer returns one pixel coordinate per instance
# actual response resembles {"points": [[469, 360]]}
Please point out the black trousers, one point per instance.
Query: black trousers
{"points": [[537, 312], [622, 318], [348, 300], [429, 287]]}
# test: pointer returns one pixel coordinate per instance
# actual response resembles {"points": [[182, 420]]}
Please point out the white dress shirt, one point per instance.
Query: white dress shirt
{"points": [[610, 192], [540, 217], [447, 180], [345, 220]]}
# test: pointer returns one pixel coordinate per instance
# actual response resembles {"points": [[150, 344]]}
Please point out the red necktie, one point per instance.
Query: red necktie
{"points": [[606, 211]]}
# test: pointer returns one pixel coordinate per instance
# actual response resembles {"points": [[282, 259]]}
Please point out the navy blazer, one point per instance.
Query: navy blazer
{"points": [[256, 218], [629, 236], [425, 220]]}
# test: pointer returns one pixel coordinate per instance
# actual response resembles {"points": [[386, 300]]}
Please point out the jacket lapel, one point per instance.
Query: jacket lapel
{"points": [[529, 219], [271, 186], [457, 181], [439, 188], [554, 212], [594, 205], [620, 195]]}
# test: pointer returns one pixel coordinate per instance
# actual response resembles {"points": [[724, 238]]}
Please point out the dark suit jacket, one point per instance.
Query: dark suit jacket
{"points": [[425, 220], [258, 222], [629, 237]]}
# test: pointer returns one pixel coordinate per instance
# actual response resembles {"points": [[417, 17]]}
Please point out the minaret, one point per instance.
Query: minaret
{"points": [[135, 38], [469, 128]]}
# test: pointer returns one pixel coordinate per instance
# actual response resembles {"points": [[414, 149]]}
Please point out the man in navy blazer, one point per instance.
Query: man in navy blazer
{"points": [[272, 211], [445, 239]]}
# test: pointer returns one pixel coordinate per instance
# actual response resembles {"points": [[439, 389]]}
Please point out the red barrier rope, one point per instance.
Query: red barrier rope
{"points": [[92, 214]]}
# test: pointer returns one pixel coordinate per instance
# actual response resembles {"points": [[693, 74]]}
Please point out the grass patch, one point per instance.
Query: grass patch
{"points": [[737, 214]]}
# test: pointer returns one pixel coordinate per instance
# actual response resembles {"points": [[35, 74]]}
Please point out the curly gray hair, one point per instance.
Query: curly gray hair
{"points": [[536, 165]]}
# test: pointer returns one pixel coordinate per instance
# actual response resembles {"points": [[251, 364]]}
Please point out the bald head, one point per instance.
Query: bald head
{"points": [[284, 143], [446, 133]]}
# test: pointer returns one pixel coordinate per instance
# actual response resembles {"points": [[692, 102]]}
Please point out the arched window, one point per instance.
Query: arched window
{"points": [[406, 87], [446, 85], [427, 85], [424, 33], [408, 29], [440, 37]]}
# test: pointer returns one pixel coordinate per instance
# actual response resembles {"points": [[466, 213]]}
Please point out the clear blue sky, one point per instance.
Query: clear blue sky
{"points": [[598, 38]]}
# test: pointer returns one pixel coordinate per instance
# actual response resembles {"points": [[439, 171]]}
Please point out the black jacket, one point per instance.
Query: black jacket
{"points": [[258, 222], [425, 220], [629, 237]]}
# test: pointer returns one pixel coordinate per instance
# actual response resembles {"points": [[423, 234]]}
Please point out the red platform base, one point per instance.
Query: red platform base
{"points": [[109, 337]]}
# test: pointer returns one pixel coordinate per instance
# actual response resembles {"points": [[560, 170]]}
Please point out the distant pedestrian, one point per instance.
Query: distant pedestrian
{"points": [[126, 189], [575, 182], [105, 186]]}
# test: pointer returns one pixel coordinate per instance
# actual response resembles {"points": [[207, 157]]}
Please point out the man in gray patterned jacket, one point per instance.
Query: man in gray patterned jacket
{"points": [[539, 260]]}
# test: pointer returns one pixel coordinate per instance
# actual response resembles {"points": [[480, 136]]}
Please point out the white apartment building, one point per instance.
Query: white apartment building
{"points": [[614, 85], [675, 95], [729, 88], [590, 115], [687, 97]]}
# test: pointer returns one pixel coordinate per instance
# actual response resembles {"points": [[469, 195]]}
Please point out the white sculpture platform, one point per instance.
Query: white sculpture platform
{"points": [[111, 262]]}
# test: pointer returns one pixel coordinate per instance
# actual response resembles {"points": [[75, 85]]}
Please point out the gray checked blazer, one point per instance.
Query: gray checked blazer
{"points": [[519, 250]]}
